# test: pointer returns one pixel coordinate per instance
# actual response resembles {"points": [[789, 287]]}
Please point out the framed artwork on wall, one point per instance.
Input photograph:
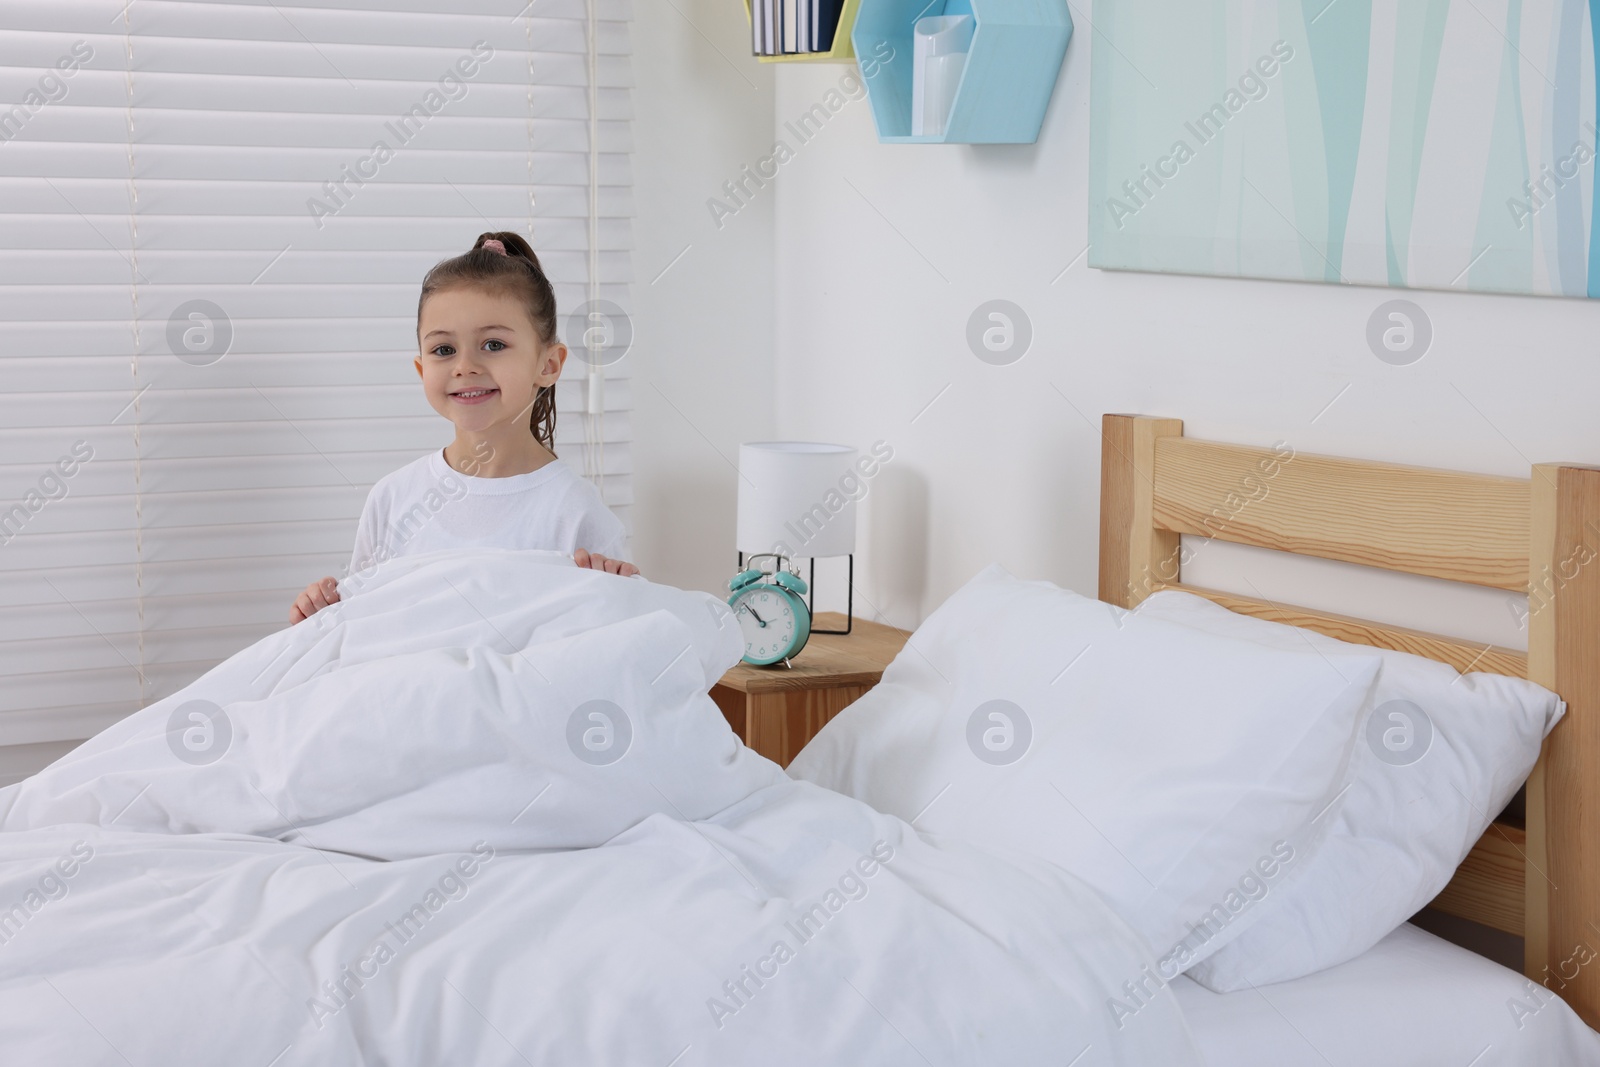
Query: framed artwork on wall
{"points": [[1427, 144]]}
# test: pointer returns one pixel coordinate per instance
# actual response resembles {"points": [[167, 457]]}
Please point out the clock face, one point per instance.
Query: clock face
{"points": [[767, 621]]}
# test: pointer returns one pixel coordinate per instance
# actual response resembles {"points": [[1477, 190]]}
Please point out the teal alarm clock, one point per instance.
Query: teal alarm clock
{"points": [[773, 618]]}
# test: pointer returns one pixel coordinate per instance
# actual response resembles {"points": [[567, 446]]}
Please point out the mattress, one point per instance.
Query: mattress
{"points": [[1414, 1000]]}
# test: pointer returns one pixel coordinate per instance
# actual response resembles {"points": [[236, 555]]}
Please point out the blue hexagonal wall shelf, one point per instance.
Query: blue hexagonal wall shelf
{"points": [[1010, 72]]}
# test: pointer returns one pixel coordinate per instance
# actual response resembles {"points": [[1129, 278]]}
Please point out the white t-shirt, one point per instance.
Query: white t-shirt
{"points": [[426, 506]]}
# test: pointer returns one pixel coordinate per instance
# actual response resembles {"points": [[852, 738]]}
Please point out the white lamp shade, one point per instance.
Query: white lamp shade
{"points": [[798, 498]]}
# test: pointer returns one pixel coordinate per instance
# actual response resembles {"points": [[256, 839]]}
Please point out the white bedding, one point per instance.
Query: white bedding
{"points": [[404, 851], [1440, 754], [1183, 775], [1414, 1000]]}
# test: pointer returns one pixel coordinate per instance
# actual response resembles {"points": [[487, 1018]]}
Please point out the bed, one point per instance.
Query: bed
{"points": [[486, 810], [1539, 880], [1412, 1001]]}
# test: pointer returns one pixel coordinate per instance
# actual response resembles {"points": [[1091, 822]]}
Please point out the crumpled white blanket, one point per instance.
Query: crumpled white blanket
{"points": [[485, 812]]}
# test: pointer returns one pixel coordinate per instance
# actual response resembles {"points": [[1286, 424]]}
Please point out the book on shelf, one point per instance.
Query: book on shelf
{"points": [[793, 27], [826, 21], [761, 26]]}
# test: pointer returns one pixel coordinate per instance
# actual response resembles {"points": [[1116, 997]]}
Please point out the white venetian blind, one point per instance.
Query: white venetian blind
{"points": [[161, 160]]}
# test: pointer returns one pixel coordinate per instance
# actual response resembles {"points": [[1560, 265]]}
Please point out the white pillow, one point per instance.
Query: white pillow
{"points": [[1423, 790], [1178, 773]]}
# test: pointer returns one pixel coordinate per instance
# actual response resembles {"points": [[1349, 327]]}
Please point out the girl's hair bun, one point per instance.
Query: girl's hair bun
{"points": [[508, 244]]}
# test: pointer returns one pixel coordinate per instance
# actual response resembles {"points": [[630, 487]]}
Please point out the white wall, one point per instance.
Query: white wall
{"points": [[702, 361], [884, 251]]}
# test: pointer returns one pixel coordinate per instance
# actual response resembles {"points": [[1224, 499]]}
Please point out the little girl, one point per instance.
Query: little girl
{"points": [[489, 360]]}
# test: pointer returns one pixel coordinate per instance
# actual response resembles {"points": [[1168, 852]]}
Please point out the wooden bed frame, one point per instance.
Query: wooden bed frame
{"points": [[1536, 536]]}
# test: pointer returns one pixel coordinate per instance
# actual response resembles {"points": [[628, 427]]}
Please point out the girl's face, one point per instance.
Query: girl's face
{"points": [[481, 360]]}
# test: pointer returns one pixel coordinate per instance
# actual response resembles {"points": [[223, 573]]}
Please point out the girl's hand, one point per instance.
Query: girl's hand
{"points": [[596, 561], [318, 595]]}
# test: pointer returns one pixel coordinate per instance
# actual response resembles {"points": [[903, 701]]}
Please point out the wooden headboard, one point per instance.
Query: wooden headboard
{"points": [[1535, 536]]}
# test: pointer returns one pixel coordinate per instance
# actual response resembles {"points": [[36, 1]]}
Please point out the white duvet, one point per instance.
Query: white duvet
{"points": [[484, 812]]}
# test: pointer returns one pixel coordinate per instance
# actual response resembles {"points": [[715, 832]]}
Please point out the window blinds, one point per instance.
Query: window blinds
{"points": [[214, 221]]}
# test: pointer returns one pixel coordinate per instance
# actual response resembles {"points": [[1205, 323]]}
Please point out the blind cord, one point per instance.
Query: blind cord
{"points": [[533, 200], [133, 287], [595, 405]]}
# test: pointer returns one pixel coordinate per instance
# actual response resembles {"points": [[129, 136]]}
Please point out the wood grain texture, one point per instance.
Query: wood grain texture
{"points": [[1135, 556], [778, 724], [1564, 795], [1444, 524], [827, 659], [1541, 537], [767, 725], [776, 710], [1543, 505], [732, 703], [1488, 886], [1464, 656]]}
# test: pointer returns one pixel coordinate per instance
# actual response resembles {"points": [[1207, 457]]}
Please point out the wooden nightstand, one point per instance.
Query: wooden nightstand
{"points": [[776, 710]]}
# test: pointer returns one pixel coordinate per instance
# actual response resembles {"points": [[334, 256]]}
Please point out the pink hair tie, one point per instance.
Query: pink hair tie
{"points": [[494, 246]]}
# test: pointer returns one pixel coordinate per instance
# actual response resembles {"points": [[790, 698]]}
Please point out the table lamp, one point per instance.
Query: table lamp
{"points": [[797, 500]]}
